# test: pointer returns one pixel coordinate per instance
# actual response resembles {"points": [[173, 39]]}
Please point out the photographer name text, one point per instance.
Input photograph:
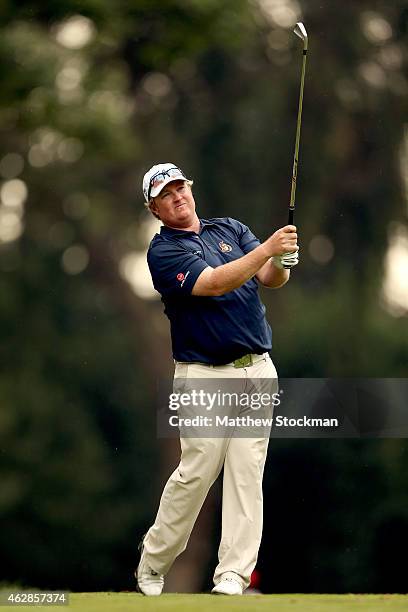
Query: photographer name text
{"points": [[248, 421]]}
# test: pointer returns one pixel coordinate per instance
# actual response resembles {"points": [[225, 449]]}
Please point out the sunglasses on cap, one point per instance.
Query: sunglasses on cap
{"points": [[159, 178]]}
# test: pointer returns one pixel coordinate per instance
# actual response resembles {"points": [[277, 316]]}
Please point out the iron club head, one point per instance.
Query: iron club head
{"points": [[300, 31]]}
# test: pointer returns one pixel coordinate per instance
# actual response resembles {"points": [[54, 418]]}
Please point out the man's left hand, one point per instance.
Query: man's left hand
{"points": [[287, 260]]}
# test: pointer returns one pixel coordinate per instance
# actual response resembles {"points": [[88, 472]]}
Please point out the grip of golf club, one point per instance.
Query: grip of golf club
{"points": [[291, 216], [290, 222]]}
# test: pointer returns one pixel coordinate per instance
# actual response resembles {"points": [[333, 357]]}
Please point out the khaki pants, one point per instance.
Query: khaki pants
{"points": [[201, 462]]}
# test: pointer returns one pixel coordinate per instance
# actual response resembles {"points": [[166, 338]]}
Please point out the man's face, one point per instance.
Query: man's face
{"points": [[175, 205]]}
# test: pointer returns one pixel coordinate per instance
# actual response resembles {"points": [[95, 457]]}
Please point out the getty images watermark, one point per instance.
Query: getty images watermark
{"points": [[290, 408], [221, 400]]}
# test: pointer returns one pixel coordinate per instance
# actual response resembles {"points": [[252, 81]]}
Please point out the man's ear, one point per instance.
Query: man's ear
{"points": [[154, 208]]}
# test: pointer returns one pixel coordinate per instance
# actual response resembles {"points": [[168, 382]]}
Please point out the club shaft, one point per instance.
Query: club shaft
{"points": [[297, 142]]}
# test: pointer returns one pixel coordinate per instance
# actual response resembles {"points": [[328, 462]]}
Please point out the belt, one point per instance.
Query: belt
{"points": [[247, 360], [243, 362]]}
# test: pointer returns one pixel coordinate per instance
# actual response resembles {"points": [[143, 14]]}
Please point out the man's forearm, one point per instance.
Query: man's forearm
{"points": [[271, 276], [231, 275]]}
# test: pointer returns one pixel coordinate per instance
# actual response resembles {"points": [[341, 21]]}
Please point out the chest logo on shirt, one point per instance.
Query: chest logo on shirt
{"points": [[224, 247]]}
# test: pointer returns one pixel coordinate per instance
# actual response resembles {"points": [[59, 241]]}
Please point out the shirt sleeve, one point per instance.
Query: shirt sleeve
{"points": [[174, 269], [247, 240]]}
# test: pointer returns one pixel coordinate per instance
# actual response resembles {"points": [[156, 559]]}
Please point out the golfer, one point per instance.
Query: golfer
{"points": [[207, 272]]}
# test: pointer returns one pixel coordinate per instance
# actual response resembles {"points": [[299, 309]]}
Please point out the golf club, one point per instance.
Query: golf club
{"points": [[300, 31]]}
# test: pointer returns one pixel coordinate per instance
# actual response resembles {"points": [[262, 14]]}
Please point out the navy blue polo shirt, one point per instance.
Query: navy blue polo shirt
{"points": [[208, 329]]}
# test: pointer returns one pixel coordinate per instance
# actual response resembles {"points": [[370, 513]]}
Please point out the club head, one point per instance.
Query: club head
{"points": [[300, 31]]}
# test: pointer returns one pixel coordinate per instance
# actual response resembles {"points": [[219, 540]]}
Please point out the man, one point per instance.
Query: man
{"points": [[207, 272]]}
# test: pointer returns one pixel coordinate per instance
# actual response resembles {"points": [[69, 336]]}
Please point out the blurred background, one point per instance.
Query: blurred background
{"points": [[92, 94]]}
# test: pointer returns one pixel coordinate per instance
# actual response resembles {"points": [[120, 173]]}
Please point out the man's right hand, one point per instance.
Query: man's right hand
{"points": [[284, 240]]}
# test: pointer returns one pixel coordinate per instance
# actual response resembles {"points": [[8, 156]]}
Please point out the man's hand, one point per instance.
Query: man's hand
{"points": [[288, 260], [282, 242]]}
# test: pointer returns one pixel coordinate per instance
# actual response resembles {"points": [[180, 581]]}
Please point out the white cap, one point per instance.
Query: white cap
{"points": [[158, 176]]}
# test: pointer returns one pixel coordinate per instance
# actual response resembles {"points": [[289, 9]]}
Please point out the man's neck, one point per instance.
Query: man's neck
{"points": [[194, 227]]}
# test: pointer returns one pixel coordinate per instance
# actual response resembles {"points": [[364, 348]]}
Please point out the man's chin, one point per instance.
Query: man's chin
{"points": [[184, 212]]}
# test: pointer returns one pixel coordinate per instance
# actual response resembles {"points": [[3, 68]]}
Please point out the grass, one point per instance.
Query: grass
{"points": [[134, 602]]}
